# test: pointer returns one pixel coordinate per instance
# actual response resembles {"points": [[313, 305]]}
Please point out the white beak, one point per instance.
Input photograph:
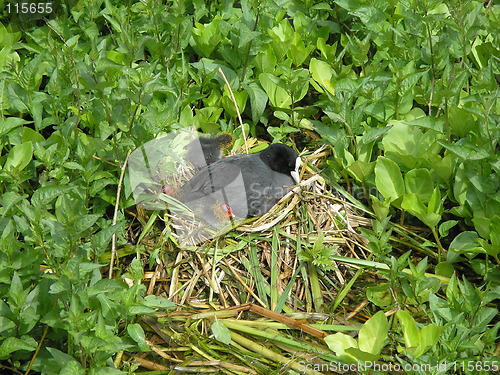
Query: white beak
{"points": [[295, 173]]}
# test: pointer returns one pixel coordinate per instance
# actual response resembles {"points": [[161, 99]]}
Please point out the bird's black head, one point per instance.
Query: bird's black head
{"points": [[282, 159]]}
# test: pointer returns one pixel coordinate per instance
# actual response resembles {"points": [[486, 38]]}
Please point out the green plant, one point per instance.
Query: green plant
{"points": [[404, 93]]}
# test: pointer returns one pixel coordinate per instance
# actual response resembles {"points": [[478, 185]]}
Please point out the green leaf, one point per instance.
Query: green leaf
{"points": [[137, 334], [158, 302], [44, 195], [413, 205], [435, 204], [66, 364], [466, 242], [419, 182], [85, 222], [266, 60], [444, 228], [361, 170], [207, 37], [429, 336], [6, 325], [282, 35], [444, 269], [380, 295], [461, 121], [228, 104], [388, 179], [10, 123], [381, 209], [13, 344], [417, 341], [258, 101], [19, 157], [373, 334], [340, 343], [466, 150], [410, 331], [427, 122], [322, 73], [495, 231], [17, 294], [275, 90], [221, 332]]}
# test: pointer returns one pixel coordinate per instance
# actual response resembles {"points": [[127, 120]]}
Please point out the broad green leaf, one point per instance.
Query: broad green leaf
{"points": [[137, 334], [6, 325], [444, 269], [265, 61], [13, 344], [327, 52], [228, 104], [207, 37], [340, 343], [282, 35], [429, 336], [60, 356], [435, 204], [258, 101], [361, 170], [17, 294], [46, 194], [85, 222], [427, 122], [373, 334], [10, 123], [495, 231], [484, 317], [461, 121], [322, 73], [444, 228], [388, 179], [19, 156], [410, 331], [299, 51], [452, 289], [361, 355], [466, 150], [466, 242], [409, 146], [414, 206], [330, 133], [275, 90], [373, 134], [419, 182]]}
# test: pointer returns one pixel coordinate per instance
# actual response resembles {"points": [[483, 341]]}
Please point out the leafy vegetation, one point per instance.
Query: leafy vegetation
{"points": [[402, 94]]}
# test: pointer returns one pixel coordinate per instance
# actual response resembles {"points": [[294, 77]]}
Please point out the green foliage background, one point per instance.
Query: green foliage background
{"points": [[406, 93]]}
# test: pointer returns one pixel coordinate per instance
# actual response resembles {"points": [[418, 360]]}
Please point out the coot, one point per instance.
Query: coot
{"points": [[249, 185]]}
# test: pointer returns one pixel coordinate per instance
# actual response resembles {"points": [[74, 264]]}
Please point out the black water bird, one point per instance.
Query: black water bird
{"points": [[246, 185]]}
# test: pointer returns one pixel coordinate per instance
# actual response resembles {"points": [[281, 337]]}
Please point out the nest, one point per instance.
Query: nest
{"points": [[249, 275], [220, 264]]}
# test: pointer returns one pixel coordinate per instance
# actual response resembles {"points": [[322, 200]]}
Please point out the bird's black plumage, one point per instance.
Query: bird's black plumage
{"points": [[249, 184]]}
